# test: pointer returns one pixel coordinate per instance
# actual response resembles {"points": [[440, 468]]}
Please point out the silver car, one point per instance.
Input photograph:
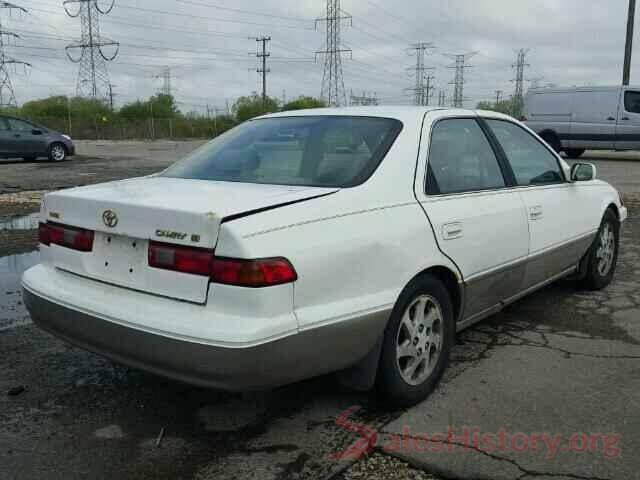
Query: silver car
{"points": [[23, 139]]}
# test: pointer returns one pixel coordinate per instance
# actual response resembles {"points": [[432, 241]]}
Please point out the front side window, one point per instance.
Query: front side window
{"points": [[632, 102], [461, 159], [320, 151], [19, 125], [530, 160]]}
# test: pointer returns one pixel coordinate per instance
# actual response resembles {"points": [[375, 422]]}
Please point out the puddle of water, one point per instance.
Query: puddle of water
{"points": [[12, 310], [23, 222]]}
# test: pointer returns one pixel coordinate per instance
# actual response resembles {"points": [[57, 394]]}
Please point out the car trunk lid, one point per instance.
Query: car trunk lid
{"points": [[126, 215]]}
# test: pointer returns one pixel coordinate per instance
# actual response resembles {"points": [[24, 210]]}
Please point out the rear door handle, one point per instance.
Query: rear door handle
{"points": [[625, 118], [17, 135], [451, 231], [611, 119], [536, 212]]}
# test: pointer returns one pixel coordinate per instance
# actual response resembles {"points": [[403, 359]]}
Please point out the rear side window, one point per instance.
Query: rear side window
{"points": [[461, 159], [632, 102], [530, 160], [19, 125], [321, 151]]}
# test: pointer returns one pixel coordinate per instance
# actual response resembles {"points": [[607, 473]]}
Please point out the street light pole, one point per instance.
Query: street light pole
{"points": [[626, 73]]}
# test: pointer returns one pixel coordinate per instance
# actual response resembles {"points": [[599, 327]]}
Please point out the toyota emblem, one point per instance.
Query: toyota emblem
{"points": [[110, 218]]}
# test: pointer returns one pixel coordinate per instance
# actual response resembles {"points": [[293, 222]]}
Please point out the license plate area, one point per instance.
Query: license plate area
{"points": [[120, 258]]}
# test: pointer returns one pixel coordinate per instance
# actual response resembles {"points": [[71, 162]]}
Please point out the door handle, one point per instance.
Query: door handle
{"points": [[17, 135], [611, 119], [535, 212], [624, 118], [451, 231]]}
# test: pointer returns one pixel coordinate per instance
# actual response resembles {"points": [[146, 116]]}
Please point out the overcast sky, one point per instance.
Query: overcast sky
{"points": [[206, 43]]}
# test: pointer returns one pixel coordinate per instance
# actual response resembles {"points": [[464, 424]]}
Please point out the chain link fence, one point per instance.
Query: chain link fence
{"points": [[110, 128]]}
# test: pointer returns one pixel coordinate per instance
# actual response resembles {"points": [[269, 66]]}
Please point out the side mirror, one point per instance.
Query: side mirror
{"points": [[36, 131], [583, 172]]}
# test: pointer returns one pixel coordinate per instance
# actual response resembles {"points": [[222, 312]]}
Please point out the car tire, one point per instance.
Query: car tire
{"points": [[574, 152], [57, 152], [553, 141], [602, 257], [416, 346]]}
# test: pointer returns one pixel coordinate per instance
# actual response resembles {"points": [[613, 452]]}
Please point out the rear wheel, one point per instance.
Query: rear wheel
{"points": [[417, 342], [553, 141], [603, 254], [57, 152], [574, 152]]}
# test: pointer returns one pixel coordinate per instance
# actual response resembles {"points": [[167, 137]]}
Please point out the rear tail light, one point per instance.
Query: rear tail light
{"points": [[181, 259], [262, 272], [70, 237], [252, 273]]}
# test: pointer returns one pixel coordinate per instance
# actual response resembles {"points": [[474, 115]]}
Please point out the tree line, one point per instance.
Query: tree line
{"points": [[155, 117]]}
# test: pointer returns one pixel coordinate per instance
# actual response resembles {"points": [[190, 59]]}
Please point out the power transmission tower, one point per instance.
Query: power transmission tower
{"points": [[499, 96], [421, 91], [442, 98], [93, 78], [518, 95], [7, 96], [364, 100], [166, 81], [263, 54], [332, 91], [458, 81]]}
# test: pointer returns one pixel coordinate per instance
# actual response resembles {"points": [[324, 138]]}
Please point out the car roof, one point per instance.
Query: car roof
{"points": [[402, 113]]}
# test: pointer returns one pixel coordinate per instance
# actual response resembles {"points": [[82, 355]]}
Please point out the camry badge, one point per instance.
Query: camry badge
{"points": [[110, 218]]}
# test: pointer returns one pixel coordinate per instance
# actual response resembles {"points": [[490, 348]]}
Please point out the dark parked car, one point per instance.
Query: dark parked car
{"points": [[20, 138]]}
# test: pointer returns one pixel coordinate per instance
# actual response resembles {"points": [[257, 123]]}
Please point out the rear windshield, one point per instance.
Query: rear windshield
{"points": [[320, 151]]}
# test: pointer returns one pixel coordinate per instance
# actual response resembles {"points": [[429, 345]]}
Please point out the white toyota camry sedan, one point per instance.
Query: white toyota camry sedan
{"points": [[351, 240]]}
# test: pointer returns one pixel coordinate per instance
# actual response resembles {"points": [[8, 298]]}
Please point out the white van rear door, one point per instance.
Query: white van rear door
{"points": [[628, 128]]}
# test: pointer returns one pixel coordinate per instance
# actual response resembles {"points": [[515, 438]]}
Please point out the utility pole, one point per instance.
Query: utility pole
{"points": [[332, 91], [263, 54], [7, 96], [420, 91], [111, 95], [93, 78], [458, 81], [626, 73], [498, 96], [69, 113]]}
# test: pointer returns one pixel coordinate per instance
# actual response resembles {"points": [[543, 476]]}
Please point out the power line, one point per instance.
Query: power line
{"points": [[458, 81], [7, 95], [93, 78], [332, 91]]}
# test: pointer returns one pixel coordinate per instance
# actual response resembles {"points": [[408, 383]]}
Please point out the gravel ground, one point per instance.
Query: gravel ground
{"points": [[384, 467]]}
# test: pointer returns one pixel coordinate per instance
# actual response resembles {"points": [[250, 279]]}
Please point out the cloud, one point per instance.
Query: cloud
{"points": [[207, 45]]}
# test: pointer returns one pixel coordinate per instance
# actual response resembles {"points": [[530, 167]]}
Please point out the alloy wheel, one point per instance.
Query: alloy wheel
{"points": [[419, 339]]}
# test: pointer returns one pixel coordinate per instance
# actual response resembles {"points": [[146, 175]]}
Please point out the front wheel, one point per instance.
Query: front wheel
{"points": [[57, 152], [417, 342], [603, 254], [574, 152]]}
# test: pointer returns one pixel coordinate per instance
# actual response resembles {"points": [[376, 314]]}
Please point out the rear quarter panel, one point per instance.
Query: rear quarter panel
{"points": [[353, 253]]}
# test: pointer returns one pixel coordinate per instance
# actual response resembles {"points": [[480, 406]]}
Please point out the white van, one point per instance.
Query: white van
{"points": [[585, 118]]}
